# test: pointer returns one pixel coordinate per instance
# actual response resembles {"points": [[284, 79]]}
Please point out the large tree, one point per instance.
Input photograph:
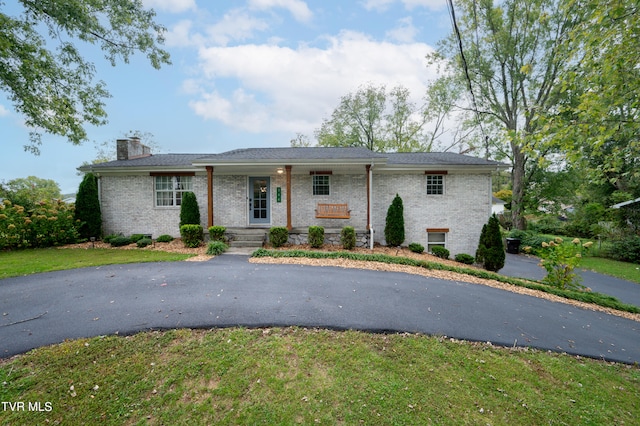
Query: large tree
{"points": [[44, 73], [510, 56], [29, 191]]}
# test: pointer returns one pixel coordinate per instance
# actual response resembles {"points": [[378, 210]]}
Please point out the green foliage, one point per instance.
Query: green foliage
{"points": [[316, 236], [559, 260], [416, 247], [440, 252], [394, 225], [216, 233], [530, 242], [143, 242], [51, 223], [348, 237], [467, 259], [490, 251], [189, 210], [278, 236], [584, 221], [548, 224], [120, 241], [136, 237], [626, 249], [44, 73], [164, 238], [27, 192], [216, 247], [192, 235], [88, 207], [107, 239]]}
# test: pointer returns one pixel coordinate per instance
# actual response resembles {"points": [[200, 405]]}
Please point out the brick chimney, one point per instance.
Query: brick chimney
{"points": [[128, 149]]}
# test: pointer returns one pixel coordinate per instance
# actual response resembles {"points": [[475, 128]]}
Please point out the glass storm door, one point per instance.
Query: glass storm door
{"points": [[259, 200]]}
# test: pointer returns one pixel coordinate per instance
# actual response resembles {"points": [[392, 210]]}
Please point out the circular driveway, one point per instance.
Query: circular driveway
{"points": [[228, 291]]}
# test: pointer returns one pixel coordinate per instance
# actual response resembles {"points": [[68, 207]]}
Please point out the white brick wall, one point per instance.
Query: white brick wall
{"points": [[463, 208]]}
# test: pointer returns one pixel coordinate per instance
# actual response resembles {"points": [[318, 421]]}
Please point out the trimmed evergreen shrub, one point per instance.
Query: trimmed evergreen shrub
{"points": [[189, 210], [394, 226], [416, 247], [216, 233], [278, 236], [490, 251], [348, 237], [88, 207], [465, 258], [316, 236], [110, 237], [165, 238], [192, 235], [216, 247], [120, 241], [440, 252], [136, 237], [143, 242]]}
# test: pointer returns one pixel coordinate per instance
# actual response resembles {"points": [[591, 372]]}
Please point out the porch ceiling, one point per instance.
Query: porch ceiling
{"points": [[296, 169]]}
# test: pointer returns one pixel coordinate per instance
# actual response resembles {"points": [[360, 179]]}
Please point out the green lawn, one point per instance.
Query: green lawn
{"points": [[300, 376], [31, 261], [623, 270]]}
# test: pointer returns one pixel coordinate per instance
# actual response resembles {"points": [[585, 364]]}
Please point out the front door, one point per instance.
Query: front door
{"points": [[259, 200]]}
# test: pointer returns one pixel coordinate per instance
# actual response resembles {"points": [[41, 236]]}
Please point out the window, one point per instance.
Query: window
{"points": [[436, 237], [169, 189], [435, 184], [320, 185]]}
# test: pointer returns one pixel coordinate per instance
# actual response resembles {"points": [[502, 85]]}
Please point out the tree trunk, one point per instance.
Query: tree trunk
{"points": [[518, 181]]}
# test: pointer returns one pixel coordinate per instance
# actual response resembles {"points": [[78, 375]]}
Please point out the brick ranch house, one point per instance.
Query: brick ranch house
{"points": [[447, 197]]}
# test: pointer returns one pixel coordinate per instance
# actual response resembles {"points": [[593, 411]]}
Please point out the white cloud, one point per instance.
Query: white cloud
{"points": [[405, 32], [235, 25], [382, 5], [3, 111], [172, 6], [286, 89], [297, 8]]}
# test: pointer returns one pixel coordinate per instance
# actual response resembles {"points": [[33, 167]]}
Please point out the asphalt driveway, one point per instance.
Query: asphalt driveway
{"points": [[229, 291]]}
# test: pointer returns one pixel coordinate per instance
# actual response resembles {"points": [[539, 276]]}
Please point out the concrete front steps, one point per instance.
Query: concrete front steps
{"points": [[251, 238]]}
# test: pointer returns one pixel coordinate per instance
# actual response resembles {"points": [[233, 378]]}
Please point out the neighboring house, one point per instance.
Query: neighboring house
{"points": [[447, 197], [497, 205]]}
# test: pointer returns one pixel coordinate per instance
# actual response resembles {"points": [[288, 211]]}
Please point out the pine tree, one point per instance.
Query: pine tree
{"points": [[189, 210], [394, 227], [88, 207], [491, 248]]}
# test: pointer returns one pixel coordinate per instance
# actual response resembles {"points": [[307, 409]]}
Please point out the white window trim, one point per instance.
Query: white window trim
{"points": [[174, 191], [445, 233], [426, 183], [314, 185]]}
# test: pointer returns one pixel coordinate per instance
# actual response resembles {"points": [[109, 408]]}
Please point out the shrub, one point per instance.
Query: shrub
{"points": [[490, 251], [560, 260], [278, 236], [189, 211], [546, 225], [216, 233], [416, 247], [316, 236], [440, 252], [165, 238], [120, 241], [87, 209], [394, 225], [465, 258], [192, 235], [216, 247], [143, 242], [110, 237], [136, 237], [626, 249], [348, 237]]}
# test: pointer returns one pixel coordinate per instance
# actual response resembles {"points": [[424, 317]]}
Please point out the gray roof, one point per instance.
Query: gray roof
{"points": [[437, 158], [157, 160], [301, 153]]}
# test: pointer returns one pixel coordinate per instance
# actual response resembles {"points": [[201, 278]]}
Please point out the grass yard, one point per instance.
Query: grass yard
{"points": [[624, 270], [31, 261], [308, 376]]}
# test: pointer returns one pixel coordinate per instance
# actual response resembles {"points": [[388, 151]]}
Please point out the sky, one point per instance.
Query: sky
{"points": [[244, 73]]}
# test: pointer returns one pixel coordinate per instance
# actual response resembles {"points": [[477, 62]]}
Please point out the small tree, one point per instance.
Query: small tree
{"points": [[490, 251], [88, 207], [394, 227], [189, 210]]}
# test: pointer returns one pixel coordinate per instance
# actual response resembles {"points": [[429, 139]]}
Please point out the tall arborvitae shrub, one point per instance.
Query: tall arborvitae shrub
{"points": [[88, 207], [394, 227], [189, 210], [490, 251]]}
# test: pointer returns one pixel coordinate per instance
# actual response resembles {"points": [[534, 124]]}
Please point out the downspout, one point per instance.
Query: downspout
{"points": [[369, 213]]}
